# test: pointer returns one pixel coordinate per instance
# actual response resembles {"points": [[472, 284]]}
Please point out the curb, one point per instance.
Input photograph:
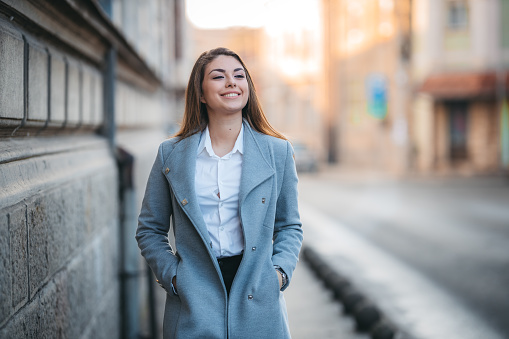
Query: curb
{"points": [[368, 317]]}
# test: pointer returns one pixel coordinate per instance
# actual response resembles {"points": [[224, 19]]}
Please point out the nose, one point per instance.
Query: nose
{"points": [[231, 82]]}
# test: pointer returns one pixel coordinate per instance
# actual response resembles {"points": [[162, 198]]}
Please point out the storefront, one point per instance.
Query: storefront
{"points": [[466, 129]]}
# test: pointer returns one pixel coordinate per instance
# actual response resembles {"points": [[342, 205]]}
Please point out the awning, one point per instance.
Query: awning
{"points": [[462, 85]]}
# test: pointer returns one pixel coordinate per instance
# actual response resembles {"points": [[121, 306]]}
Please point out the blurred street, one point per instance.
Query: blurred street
{"points": [[451, 234]]}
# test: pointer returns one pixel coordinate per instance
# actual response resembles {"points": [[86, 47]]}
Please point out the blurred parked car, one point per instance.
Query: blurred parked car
{"points": [[305, 159]]}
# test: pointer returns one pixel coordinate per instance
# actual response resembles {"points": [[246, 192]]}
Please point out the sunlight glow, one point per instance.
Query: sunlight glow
{"points": [[293, 28], [221, 14]]}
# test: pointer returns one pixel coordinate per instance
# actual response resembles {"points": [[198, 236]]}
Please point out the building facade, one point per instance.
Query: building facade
{"points": [[367, 58], [418, 86], [88, 90], [461, 74]]}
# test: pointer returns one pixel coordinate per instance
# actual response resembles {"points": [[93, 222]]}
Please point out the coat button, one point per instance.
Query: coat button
{"points": [[167, 170], [263, 200], [250, 297], [253, 248]]}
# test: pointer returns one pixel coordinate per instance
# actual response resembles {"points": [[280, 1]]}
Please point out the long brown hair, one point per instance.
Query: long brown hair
{"points": [[195, 114]]}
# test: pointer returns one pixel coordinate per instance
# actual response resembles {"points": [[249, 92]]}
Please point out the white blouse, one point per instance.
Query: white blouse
{"points": [[217, 183]]}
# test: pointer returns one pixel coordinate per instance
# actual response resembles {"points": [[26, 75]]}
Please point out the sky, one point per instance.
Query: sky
{"points": [[271, 14]]}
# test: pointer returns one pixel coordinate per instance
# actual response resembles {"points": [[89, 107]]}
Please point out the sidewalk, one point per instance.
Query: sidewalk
{"points": [[312, 311]]}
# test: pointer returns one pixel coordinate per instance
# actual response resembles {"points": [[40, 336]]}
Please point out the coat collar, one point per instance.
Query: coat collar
{"points": [[181, 163], [255, 166]]}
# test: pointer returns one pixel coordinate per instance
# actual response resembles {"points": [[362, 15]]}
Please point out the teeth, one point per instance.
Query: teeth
{"points": [[231, 95]]}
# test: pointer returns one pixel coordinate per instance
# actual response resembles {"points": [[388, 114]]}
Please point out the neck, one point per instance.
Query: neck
{"points": [[223, 133]]}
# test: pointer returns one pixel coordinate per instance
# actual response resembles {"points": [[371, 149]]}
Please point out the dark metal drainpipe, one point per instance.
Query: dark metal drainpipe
{"points": [[129, 254]]}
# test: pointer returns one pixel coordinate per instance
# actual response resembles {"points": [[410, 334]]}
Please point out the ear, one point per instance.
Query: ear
{"points": [[202, 99]]}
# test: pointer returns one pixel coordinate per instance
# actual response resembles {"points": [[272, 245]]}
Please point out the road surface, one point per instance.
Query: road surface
{"points": [[454, 231]]}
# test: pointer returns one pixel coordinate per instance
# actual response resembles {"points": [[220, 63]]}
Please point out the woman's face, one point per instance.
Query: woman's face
{"points": [[225, 88]]}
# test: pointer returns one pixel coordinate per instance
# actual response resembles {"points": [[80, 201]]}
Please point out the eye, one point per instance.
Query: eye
{"points": [[218, 77], [240, 76]]}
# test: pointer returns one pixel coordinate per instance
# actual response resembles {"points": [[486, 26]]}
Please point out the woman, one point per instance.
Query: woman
{"points": [[228, 183]]}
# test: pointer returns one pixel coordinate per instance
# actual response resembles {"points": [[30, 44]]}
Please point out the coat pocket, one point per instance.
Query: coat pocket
{"points": [[171, 315]]}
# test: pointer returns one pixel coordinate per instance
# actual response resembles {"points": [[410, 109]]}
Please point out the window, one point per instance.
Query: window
{"points": [[457, 32], [457, 15]]}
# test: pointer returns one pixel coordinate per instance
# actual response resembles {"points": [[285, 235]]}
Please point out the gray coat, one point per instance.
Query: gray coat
{"points": [[272, 234]]}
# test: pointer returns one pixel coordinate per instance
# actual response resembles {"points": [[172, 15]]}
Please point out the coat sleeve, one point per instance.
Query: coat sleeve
{"points": [[154, 224], [287, 226]]}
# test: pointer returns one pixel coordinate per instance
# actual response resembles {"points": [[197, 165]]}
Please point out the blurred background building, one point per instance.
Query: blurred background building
{"points": [[368, 58], [418, 85], [89, 88], [460, 72]]}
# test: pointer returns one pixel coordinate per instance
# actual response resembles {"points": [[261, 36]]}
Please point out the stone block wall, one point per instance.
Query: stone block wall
{"points": [[59, 193], [59, 240], [42, 88]]}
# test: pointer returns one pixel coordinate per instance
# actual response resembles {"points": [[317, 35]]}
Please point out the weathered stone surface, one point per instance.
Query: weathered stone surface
{"points": [[56, 233], [11, 75], [107, 255], [56, 221], [92, 96], [5, 267], [47, 303], [107, 318], [57, 111], [37, 243], [42, 318], [97, 90], [82, 297], [62, 307], [88, 96], [37, 84], [75, 214], [102, 202], [121, 103], [19, 254], [73, 93], [23, 324]]}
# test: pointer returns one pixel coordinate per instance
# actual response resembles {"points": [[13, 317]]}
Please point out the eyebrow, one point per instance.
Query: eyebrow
{"points": [[223, 71]]}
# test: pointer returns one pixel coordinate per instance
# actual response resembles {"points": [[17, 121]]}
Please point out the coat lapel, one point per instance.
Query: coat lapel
{"points": [[255, 167], [181, 164]]}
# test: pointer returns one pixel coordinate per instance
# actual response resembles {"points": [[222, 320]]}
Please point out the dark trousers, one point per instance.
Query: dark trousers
{"points": [[229, 267]]}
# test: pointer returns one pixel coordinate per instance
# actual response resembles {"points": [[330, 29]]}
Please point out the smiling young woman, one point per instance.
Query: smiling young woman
{"points": [[228, 184]]}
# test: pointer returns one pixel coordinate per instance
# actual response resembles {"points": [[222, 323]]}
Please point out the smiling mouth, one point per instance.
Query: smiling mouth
{"points": [[231, 95]]}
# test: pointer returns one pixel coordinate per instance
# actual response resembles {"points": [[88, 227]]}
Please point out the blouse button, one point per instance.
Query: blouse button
{"points": [[253, 248], [250, 297], [167, 170]]}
